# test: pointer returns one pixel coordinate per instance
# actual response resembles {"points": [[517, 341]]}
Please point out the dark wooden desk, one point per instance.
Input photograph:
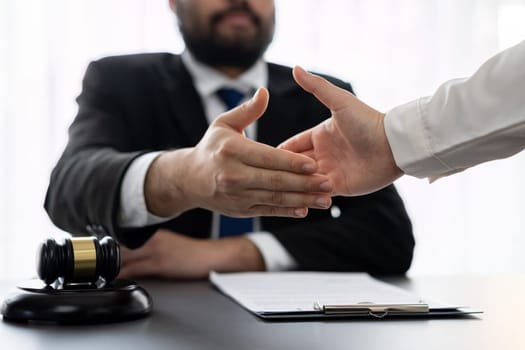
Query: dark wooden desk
{"points": [[193, 315]]}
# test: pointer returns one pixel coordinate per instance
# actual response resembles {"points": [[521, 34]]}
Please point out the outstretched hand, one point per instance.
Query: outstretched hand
{"points": [[233, 175], [351, 147]]}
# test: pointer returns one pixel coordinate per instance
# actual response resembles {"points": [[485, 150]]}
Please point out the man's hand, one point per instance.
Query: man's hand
{"points": [[231, 174], [351, 147], [171, 255]]}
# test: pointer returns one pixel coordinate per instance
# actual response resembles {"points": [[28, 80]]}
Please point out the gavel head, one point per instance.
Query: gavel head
{"points": [[78, 260]]}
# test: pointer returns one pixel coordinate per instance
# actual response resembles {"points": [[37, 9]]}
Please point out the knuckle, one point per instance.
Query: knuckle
{"points": [[274, 211], [258, 177], [253, 211], [308, 201], [268, 161], [276, 181], [295, 164], [226, 180], [312, 186], [226, 149], [242, 108], [277, 197], [267, 210]]}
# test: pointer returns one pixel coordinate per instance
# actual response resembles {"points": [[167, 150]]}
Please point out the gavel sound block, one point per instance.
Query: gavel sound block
{"points": [[77, 286]]}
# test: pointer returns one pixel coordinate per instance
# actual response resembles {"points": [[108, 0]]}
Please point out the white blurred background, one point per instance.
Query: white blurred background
{"points": [[391, 51]]}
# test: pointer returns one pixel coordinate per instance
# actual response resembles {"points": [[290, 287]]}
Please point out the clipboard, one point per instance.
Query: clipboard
{"points": [[313, 295], [372, 311]]}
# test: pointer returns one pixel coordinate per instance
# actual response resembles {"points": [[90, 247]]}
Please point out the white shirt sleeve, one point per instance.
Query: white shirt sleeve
{"points": [[275, 256], [132, 210], [466, 122]]}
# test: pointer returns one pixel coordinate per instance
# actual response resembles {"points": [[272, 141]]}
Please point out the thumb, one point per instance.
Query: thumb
{"points": [[245, 114], [327, 93], [299, 143]]}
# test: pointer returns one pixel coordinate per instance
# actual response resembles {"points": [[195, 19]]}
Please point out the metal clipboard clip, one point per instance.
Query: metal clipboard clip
{"points": [[370, 309]]}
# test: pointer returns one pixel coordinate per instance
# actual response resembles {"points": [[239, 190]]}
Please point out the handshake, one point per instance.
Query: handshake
{"points": [[231, 174]]}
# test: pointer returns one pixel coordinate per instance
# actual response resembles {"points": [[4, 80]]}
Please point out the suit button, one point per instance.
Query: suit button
{"points": [[335, 211]]}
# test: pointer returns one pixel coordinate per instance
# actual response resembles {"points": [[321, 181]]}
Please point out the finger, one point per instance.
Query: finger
{"points": [[269, 210], [262, 179], [289, 199], [299, 143], [247, 113], [262, 156], [330, 95], [309, 153]]}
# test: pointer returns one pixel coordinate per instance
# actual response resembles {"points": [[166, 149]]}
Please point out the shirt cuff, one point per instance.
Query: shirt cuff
{"points": [[133, 211], [276, 257], [411, 142]]}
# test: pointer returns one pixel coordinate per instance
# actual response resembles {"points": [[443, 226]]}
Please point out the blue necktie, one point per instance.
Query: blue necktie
{"points": [[232, 226]]}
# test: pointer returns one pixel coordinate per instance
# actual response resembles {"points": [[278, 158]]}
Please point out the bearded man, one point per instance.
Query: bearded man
{"points": [[160, 158]]}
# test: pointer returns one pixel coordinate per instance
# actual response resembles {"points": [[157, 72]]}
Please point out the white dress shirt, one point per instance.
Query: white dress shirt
{"points": [[133, 211], [466, 122]]}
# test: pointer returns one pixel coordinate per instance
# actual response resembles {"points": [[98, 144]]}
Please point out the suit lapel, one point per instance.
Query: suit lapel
{"points": [[185, 102]]}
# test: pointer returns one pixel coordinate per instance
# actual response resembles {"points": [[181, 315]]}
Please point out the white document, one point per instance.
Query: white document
{"points": [[275, 292]]}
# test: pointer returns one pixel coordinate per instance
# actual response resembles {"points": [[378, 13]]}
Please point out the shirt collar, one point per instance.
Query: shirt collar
{"points": [[208, 80]]}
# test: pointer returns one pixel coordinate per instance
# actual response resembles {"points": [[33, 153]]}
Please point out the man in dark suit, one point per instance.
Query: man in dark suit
{"points": [[148, 162]]}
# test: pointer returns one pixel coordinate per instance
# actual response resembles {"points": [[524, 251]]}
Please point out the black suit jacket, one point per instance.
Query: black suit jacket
{"points": [[134, 104]]}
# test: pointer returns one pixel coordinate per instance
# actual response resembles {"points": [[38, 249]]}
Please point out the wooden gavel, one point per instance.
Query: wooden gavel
{"points": [[78, 260]]}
